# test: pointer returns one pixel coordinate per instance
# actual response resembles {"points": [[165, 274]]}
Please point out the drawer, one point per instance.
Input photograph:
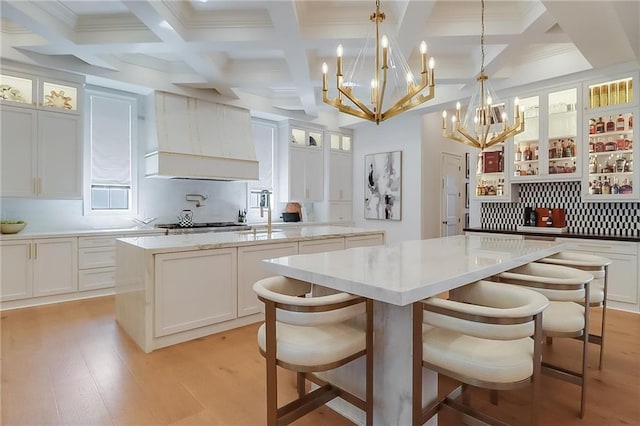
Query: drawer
{"points": [[92, 279], [109, 241], [321, 245], [96, 257], [363, 241], [600, 246]]}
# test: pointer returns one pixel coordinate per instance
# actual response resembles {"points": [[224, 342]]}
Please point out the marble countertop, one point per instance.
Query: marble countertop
{"points": [[28, 233], [211, 240], [632, 239], [409, 271]]}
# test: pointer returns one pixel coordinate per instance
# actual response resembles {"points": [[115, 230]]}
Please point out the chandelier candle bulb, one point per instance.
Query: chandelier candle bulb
{"points": [[458, 110], [385, 51], [409, 82], [423, 54], [325, 69], [444, 120], [374, 95], [432, 65]]}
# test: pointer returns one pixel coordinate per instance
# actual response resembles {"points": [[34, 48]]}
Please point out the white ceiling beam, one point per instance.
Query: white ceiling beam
{"points": [[163, 24], [287, 33], [597, 30]]}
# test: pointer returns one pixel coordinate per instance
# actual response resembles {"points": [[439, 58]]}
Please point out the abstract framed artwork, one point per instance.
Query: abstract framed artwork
{"points": [[383, 186]]}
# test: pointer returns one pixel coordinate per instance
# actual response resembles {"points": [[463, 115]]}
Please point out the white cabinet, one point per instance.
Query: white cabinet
{"points": [[194, 289], [41, 153], [41, 267], [18, 136], [622, 290], [321, 245], [340, 176], [16, 272], [364, 241], [250, 270], [96, 262], [302, 158], [306, 174]]}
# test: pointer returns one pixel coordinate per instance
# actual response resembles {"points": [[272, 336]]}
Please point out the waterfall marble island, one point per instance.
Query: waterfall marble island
{"points": [[175, 288], [396, 277]]}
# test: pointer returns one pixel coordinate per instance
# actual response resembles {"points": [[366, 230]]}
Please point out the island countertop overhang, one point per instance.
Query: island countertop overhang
{"points": [[413, 270]]}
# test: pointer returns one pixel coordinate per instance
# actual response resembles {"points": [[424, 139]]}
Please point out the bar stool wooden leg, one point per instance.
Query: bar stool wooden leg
{"points": [[369, 362], [416, 361], [272, 373]]}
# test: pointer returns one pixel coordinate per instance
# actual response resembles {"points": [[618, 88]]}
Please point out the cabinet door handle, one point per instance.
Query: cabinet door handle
{"points": [[35, 251], [29, 251]]}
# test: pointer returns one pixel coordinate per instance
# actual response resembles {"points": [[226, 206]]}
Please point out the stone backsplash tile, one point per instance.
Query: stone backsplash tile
{"points": [[621, 219]]}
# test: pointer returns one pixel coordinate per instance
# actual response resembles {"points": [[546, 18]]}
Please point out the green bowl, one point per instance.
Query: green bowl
{"points": [[12, 228]]}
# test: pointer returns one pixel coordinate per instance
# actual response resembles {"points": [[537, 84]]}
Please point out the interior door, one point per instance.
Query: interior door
{"points": [[451, 176]]}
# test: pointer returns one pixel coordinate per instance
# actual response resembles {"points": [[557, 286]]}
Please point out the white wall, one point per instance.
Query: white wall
{"points": [[402, 133], [433, 145]]}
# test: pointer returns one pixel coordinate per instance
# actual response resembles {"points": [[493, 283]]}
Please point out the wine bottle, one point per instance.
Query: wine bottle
{"points": [[619, 123], [611, 126]]}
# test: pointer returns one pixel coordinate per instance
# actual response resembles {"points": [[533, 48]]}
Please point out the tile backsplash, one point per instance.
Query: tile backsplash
{"points": [[621, 219]]}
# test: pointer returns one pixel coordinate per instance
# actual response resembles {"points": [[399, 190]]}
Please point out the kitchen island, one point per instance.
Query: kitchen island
{"points": [[175, 288], [396, 277]]}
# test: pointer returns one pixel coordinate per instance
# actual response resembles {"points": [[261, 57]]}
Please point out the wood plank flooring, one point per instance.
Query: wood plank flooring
{"points": [[71, 364]]}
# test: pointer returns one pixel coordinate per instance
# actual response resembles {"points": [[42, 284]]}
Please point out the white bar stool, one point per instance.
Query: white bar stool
{"points": [[568, 292], [481, 337], [598, 266], [311, 334]]}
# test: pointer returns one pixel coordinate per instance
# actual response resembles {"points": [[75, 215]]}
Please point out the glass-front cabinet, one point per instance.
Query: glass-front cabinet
{"points": [[610, 114], [490, 175], [548, 149], [43, 93]]}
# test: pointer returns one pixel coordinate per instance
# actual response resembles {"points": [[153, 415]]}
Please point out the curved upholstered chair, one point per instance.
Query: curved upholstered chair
{"points": [[598, 266], [312, 334], [481, 336], [568, 292]]}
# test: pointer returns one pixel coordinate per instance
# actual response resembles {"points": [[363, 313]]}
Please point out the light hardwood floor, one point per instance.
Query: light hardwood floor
{"points": [[71, 364]]}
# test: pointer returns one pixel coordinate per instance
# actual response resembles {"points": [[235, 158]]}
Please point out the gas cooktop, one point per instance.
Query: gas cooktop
{"points": [[174, 228]]}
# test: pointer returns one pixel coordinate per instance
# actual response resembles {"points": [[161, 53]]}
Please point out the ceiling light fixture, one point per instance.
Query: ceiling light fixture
{"points": [[387, 55], [485, 122]]}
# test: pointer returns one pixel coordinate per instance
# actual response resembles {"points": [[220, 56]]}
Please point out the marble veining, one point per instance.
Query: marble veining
{"points": [[213, 240], [412, 270]]}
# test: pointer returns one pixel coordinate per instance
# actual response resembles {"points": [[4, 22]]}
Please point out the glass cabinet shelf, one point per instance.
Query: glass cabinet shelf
{"points": [[610, 157]]}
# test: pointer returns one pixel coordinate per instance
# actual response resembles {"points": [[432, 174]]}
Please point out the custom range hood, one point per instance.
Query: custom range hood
{"points": [[198, 139]]}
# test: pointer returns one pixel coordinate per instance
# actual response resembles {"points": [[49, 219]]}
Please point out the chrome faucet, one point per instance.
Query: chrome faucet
{"points": [[197, 198], [266, 203]]}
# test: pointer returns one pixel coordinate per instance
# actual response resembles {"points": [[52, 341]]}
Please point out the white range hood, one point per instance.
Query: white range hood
{"points": [[201, 140]]}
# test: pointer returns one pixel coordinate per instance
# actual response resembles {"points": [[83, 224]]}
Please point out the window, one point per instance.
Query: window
{"points": [[264, 140], [109, 159]]}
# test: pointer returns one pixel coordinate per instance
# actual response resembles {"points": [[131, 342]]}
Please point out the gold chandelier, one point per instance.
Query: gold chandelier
{"points": [[485, 122], [409, 98]]}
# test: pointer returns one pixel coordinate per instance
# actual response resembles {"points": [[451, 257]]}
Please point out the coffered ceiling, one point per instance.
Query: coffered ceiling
{"points": [[273, 49]]}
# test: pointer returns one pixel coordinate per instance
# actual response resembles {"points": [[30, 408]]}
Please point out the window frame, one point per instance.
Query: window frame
{"points": [[133, 100]]}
